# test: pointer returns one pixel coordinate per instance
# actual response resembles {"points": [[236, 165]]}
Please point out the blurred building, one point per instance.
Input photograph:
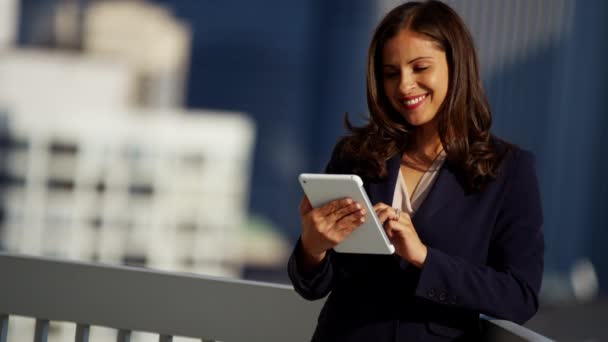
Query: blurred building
{"points": [[163, 189], [150, 39]]}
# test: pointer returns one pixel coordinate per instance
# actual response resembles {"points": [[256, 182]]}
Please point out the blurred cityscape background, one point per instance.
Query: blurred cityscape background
{"points": [[170, 133]]}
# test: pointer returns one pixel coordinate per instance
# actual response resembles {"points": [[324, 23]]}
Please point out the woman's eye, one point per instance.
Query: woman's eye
{"points": [[391, 74], [420, 68]]}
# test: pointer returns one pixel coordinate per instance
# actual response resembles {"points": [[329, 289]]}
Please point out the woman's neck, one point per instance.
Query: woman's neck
{"points": [[425, 142]]}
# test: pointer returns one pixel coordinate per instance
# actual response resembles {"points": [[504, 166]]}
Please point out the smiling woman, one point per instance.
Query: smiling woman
{"points": [[460, 206]]}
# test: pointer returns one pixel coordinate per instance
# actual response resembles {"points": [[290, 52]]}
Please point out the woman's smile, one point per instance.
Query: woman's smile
{"points": [[413, 102]]}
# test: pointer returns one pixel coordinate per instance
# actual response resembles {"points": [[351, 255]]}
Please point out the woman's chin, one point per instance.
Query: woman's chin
{"points": [[417, 120]]}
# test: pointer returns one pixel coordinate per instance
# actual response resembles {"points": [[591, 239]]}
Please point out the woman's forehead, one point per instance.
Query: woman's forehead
{"points": [[407, 46]]}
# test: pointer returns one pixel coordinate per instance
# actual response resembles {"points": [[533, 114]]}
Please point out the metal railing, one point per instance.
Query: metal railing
{"points": [[168, 304]]}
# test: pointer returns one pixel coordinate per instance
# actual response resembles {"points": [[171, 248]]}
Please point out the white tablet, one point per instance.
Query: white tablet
{"points": [[370, 237]]}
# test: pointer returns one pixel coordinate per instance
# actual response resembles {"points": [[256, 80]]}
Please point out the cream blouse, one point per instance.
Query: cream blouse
{"points": [[402, 200]]}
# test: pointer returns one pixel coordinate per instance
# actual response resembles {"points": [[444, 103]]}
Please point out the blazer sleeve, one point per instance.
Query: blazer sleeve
{"points": [[507, 286], [319, 282], [315, 284]]}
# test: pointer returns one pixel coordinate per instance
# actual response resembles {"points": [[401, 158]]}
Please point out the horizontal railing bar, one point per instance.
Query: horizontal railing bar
{"points": [[170, 304], [42, 330], [3, 327], [154, 301], [82, 332], [500, 330]]}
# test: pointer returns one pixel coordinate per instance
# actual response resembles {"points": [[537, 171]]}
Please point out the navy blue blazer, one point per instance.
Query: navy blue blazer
{"points": [[485, 255]]}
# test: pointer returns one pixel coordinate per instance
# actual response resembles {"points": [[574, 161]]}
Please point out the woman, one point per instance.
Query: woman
{"points": [[461, 207]]}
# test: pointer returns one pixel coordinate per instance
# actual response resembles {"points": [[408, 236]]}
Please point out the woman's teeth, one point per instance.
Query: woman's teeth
{"points": [[415, 100]]}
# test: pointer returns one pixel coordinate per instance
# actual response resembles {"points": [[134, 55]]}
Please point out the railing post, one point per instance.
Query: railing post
{"points": [[82, 333], [123, 335], [42, 330], [3, 327], [165, 338]]}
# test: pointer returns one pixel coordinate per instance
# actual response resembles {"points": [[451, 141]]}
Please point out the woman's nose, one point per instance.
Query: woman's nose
{"points": [[407, 83]]}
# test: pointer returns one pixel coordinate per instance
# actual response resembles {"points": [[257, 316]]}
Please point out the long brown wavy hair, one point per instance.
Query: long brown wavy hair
{"points": [[464, 117]]}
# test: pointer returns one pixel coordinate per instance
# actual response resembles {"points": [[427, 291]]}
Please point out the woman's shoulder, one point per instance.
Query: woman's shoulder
{"points": [[512, 157]]}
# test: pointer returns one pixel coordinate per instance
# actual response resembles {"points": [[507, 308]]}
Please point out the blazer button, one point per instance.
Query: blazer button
{"points": [[443, 296], [431, 293]]}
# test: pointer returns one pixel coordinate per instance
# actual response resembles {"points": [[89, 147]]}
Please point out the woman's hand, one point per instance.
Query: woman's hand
{"points": [[325, 227], [402, 234]]}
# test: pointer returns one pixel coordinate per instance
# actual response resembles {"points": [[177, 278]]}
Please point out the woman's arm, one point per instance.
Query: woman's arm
{"points": [[310, 284], [507, 287], [310, 268]]}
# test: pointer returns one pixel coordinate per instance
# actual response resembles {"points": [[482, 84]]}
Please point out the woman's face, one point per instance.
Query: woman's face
{"points": [[415, 76]]}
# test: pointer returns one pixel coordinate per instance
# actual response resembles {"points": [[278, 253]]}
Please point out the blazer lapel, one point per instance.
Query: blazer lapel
{"points": [[446, 190]]}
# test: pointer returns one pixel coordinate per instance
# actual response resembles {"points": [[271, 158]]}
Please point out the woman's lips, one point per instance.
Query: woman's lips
{"points": [[413, 102]]}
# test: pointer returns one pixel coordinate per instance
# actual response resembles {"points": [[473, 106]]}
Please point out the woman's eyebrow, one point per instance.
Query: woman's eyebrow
{"points": [[388, 65], [421, 57]]}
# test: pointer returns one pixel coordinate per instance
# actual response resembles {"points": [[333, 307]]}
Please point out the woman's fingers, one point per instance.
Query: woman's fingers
{"points": [[394, 225], [350, 222], [334, 211], [385, 214], [332, 206], [380, 206], [353, 208], [389, 233]]}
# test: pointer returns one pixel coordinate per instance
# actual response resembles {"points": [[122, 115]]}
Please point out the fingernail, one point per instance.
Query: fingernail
{"points": [[362, 219], [358, 206], [349, 201]]}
